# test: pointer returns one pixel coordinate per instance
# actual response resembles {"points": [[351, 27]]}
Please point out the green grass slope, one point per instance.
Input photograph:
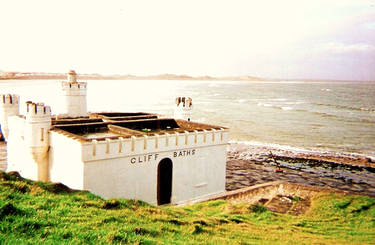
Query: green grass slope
{"points": [[36, 212]]}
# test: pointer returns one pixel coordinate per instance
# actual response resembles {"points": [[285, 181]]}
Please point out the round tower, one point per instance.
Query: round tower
{"points": [[36, 135], [183, 109], [75, 96], [9, 106]]}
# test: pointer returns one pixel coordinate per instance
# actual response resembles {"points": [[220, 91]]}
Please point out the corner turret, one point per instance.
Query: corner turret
{"points": [[183, 109], [75, 96], [9, 106], [37, 126]]}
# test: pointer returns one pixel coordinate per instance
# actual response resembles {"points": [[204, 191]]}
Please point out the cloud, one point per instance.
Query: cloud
{"points": [[370, 25], [341, 48]]}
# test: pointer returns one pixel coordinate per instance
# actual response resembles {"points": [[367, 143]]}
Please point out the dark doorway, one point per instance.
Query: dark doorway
{"points": [[164, 181]]}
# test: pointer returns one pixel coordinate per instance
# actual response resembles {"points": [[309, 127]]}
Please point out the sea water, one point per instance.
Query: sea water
{"points": [[311, 115]]}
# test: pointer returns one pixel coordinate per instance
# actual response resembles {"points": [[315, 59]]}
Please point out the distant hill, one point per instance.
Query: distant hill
{"points": [[35, 75]]}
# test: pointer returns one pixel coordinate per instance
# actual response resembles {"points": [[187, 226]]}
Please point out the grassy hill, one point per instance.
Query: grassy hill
{"points": [[34, 212]]}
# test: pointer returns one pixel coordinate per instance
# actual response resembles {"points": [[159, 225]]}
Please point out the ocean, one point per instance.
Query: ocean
{"points": [[321, 116]]}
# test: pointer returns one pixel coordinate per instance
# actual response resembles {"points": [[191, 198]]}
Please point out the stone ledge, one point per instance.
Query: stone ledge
{"points": [[269, 190]]}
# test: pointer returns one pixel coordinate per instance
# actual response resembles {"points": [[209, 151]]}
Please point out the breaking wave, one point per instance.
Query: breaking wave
{"points": [[282, 107], [292, 150], [345, 107]]}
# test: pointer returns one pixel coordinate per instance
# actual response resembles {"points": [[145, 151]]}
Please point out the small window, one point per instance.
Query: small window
{"points": [[42, 134]]}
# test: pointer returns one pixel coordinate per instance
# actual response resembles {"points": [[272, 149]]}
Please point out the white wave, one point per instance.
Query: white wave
{"points": [[296, 150], [265, 105], [241, 101], [272, 145], [294, 103], [286, 108], [282, 107], [326, 89]]}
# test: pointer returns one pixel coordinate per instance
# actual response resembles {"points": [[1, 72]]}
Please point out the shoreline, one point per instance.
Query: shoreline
{"points": [[259, 152], [249, 165]]}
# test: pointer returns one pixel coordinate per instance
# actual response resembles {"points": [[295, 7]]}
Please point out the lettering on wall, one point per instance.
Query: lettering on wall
{"points": [[183, 153], [144, 158], [153, 157]]}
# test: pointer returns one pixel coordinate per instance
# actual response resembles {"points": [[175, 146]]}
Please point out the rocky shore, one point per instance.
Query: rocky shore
{"points": [[250, 165]]}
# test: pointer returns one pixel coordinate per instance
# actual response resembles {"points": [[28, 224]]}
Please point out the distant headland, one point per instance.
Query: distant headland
{"points": [[95, 76]]}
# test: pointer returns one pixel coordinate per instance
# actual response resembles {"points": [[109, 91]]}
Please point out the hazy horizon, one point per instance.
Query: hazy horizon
{"points": [[317, 40]]}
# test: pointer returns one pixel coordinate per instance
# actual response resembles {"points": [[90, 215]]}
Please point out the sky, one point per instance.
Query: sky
{"points": [[289, 39]]}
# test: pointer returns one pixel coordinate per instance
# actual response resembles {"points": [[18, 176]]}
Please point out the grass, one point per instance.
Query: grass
{"points": [[37, 212]]}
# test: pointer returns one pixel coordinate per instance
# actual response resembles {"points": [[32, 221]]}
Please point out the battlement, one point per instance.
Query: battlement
{"points": [[74, 86], [9, 99], [183, 109], [37, 110], [186, 142], [113, 139], [184, 102]]}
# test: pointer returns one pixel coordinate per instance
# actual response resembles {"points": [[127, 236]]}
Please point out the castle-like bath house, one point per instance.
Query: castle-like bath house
{"points": [[115, 155]]}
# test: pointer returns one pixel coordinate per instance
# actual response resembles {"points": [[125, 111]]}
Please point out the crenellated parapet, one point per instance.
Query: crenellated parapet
{"points": [[188, 141], [183, 109], [72, 87], [79, 88], [37, 124], [37, 110], [184, 102], [9, 99], [9, 106]]}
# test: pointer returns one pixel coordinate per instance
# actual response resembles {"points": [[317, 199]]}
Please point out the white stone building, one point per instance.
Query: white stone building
{"points": [[123, 155]]}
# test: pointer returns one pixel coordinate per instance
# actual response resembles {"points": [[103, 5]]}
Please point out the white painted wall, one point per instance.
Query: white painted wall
{"points": [[37, 125], [200, 175], [182, 111], [119, 178], [127, 168], [65, 161], [19, 157], [75, 99], [193, 176], [9, 106]]}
